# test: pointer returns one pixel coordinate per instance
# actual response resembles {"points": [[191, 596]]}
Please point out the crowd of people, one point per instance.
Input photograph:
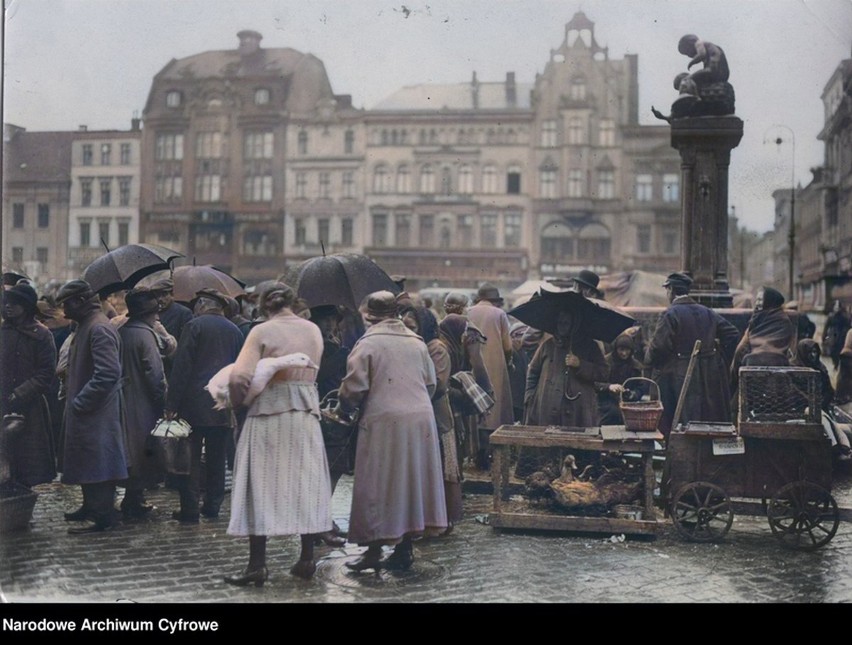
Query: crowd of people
{"points": [[401, 395]]}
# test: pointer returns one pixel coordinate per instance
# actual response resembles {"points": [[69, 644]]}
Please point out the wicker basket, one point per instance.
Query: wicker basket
{"points": [[641, 416], [16, 507]]}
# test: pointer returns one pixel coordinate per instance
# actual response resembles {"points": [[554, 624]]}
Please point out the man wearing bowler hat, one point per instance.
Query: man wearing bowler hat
{"points": [[586, 283], [708, 397]]}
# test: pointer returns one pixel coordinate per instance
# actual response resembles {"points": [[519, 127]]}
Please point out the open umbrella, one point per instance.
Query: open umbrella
{"points": [[600, 320], [191, 279], [339, 279], [123, 267]]}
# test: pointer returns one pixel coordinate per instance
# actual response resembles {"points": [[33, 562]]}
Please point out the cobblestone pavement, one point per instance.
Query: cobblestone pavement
{"points": [[160, 561]]}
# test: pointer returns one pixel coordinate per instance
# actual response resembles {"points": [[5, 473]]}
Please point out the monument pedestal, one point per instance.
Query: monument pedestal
{"points": [[705, 145]]}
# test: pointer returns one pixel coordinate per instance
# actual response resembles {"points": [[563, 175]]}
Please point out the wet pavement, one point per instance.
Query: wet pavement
{"points": [[158, 560]]}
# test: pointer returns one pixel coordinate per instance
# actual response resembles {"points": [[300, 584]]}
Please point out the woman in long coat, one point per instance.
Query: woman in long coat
{"points": [[144, 391], [28, 360], [398, 492], [281, 482]]}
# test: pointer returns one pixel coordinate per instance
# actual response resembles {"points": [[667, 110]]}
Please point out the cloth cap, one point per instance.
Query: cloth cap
{"points": [[380, 305], [141, 301], [213, 294], [588, 278], [25, 295], [488, 292], [166, 284], [678, 280], [72, 289]]}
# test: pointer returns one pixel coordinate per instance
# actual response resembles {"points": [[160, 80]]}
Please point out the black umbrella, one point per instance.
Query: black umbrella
{"points": [[600, 320], [339, 279], [189, 279], [123, 267]]}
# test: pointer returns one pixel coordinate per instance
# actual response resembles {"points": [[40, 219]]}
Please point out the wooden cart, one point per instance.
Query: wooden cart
{"points": [[778, 453], [599, 440]]}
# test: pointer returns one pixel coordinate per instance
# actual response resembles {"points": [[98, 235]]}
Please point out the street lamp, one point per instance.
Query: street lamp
{"points": [[791, 236]]}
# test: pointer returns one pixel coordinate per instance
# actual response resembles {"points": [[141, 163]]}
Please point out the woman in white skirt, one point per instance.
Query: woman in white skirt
{"points": [[281, 484]]}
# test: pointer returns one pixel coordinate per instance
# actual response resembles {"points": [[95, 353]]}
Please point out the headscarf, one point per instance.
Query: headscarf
{"points": [[427, 324], [450, 330]]}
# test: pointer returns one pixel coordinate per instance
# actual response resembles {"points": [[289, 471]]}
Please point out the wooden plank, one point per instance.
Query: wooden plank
{"points": [[784, 431], [621, 433], [573, 523]]}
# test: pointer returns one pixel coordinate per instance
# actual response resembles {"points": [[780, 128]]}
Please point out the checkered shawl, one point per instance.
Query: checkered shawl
{"points": [[479, 398]]}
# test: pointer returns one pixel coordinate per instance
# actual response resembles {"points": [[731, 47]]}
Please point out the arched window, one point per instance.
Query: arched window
{"points": [[593, 244], [381, 179], [465, 180], [489, 179], [403, 179], [427, 179]]}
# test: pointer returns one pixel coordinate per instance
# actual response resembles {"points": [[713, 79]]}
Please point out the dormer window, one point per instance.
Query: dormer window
{"points": [[261, 96], [577, 91], [173, 99]]}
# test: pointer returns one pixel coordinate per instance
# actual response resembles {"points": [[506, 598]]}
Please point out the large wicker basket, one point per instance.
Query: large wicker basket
{"points": [[641, 416], [16, 507]]}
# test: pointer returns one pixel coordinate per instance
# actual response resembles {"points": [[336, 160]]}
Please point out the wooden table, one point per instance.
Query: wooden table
{"points": [[599, 439]]}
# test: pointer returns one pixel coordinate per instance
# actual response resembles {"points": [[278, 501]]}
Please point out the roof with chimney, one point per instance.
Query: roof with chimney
{"points": [[43, 157], [459, 96]]}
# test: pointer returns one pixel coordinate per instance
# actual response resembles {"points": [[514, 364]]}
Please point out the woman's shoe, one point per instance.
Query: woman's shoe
{"points": [[304, 569], [401, 559], [249, 576], [367, 561], [329, 538]]}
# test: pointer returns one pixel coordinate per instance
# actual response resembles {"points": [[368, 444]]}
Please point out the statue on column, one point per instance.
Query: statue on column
{"points": [[704, 92]]}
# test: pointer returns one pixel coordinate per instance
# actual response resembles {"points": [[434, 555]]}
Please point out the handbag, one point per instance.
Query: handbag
{"points": [[13, 424], [176, 450], [474, 399]]}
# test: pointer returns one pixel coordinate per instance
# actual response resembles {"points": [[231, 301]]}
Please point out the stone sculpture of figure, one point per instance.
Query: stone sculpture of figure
{"points": [[705, 92]]}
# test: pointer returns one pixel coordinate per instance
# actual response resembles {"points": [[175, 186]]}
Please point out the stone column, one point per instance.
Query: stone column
{"points": [[705, 145]]}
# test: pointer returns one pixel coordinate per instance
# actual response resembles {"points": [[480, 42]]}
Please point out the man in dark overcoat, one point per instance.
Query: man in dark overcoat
{"points": [[208, 343], [708, 397], [95, 454], [144, 392], [29, 360]]}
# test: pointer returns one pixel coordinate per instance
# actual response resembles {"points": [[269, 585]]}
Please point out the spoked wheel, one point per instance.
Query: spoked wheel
{"points": [[702, 512], [803, 516]]}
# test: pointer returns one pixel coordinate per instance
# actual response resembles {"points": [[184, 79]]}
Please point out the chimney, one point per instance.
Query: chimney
{"points": [[249, 42], [135, 124], [83, 128], [511, 90], [474, 90]]}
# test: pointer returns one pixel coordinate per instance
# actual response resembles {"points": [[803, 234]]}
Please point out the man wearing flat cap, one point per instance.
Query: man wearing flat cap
{"points": [[208, 343], [684, 322], [95, 454], [488, 316], [173, 315]]}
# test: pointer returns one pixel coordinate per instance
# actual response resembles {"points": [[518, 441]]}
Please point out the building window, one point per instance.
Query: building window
{"points": [[380, 229], [465, 180], [606, 133], [446, 181], [557, 243], [123, 233], [124, 191], [644, 188], [87, 154], [208, 188], [576, 136], [208, 145], [43, 215], [427, 179], [303, 142], [547, 183], [577, 90], [323, 230], [125, 154], [103, 233], [489, 180], [575, 183], [488, 231], [257, 188], [106, 153], [381, 179], [300, 232], [445, 236], [593, 244], [512, 230], [258, 243], [168, 189], [301, 185], [261, 96], [606, 184], [549, 137], [643, 238], [17, 254], [106, 186], [671, 187], [347, 230], [349, 184], [513, 180], [324, 185], [258, 145], [670, 242], [465, 231], [85, 234], [403, 229], [173, 99], [349, 142], [85, 191], [18, 216], [403, 179], [427, 230], [169, 146]]}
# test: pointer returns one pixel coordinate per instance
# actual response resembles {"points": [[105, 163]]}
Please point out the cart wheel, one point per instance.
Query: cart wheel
{"points": [[702, 512], [803, 516]]}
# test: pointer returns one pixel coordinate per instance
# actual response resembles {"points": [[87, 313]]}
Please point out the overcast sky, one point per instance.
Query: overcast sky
{"points": [[73, 62]]}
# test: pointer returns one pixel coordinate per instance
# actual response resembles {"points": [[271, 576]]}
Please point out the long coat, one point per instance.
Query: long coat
{"points": [[29, 362], [548, 382], [95, 449], [708, 397], [208, 343], [494, 324], [399, 486], [144, 393]]}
